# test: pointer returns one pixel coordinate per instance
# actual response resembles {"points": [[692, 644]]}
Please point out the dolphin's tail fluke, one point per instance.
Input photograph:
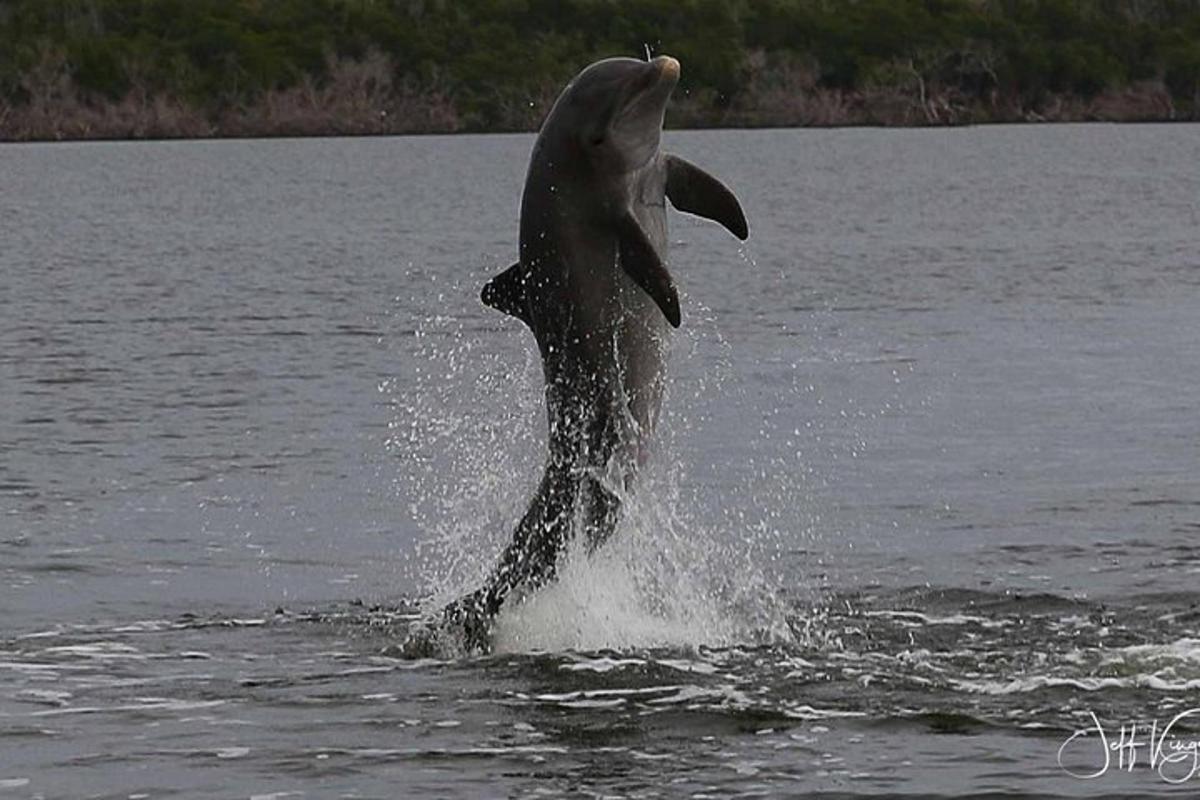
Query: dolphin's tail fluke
{"points": [[579, 495], [528, 562], [568, 496]]}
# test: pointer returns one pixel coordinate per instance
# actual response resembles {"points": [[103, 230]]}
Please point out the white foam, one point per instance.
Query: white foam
{"points": [[1181, 650], [98, 650], [716, 695], [598, 694], [144, 704], [916, 617], [1035, 683], [602, 664], [807, 712], [602, 602], [615, 702], [671, 576], [232, 752]]}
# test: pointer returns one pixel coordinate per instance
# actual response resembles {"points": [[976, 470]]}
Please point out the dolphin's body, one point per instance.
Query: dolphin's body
{"points": [[592, 285]]}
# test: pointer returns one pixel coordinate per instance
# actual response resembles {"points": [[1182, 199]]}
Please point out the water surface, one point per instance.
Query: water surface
{"points": [[926, 496]]}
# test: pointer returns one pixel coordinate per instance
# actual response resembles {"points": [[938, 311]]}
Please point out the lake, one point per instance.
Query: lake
{"points": [[925, 503]]}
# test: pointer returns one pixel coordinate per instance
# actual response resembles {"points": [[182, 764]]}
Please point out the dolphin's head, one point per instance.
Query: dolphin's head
{"points": [[613, 110]]}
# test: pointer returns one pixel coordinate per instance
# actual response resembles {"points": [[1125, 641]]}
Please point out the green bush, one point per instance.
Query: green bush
{"points": [[493, 58]]}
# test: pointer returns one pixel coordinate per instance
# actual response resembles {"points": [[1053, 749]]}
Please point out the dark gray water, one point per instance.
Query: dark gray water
{"points": [[927, 495]]}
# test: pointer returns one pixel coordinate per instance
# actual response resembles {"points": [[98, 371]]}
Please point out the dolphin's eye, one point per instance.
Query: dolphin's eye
{"points": [[597, 140]]}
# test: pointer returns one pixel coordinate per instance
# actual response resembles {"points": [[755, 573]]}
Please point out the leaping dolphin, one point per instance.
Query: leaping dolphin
{"points": [[593, 286]]}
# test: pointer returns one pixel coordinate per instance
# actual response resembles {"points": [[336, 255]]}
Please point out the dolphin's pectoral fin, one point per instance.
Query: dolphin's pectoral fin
{"points": [[641, 262], [693, 190], [506, 292]]}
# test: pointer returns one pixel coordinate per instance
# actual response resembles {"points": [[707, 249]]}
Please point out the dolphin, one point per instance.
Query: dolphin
{"points": [[592, 285]]}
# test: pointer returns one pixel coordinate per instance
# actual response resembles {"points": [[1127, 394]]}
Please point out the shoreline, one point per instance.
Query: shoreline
{"points": [[280, 116], [267, 136], [108, 70]]}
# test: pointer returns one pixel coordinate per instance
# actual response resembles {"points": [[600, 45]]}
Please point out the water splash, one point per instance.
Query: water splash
{"points": [[691, 561], [469, 449]]}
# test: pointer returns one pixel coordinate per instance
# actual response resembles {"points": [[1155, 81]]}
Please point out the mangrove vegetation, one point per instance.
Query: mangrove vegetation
{"points": [[168, 68]]}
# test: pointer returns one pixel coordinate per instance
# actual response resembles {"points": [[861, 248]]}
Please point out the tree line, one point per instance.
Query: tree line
{"points": [[153, 68]]}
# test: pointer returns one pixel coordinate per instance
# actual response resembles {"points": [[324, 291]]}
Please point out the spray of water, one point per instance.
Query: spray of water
{"points": [[692, 561]]}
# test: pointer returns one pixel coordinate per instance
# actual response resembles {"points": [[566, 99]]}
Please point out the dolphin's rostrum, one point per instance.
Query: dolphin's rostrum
{"points": [[592, 284]]}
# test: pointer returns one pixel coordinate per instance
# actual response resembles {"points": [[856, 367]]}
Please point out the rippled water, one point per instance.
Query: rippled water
{"points": [[926, 497]]}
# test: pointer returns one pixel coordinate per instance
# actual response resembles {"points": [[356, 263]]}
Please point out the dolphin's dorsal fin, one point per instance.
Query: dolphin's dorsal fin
{"points": [[506, 292], [641, 262], [693, 190]]}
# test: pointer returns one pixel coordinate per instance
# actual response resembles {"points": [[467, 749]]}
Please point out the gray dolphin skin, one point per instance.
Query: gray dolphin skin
{"points": [[593, 287]]}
